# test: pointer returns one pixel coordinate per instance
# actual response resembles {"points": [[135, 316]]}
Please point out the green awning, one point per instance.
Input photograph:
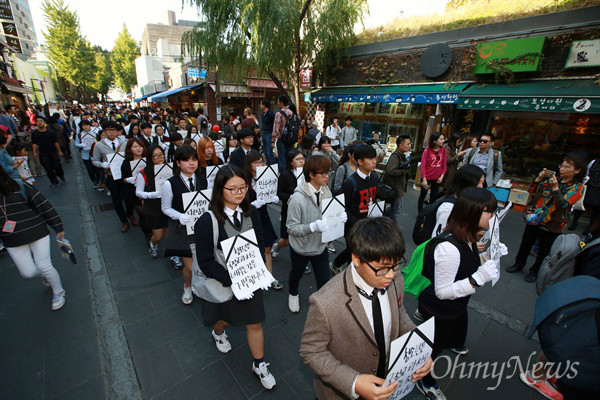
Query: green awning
{"points": [[561, 95], [433, 93]]}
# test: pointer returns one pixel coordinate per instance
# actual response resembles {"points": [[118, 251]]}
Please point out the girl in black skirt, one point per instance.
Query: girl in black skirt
{"points": [[233, 212], [134, 151], [288, 180], [145, 189], [186, 178], [253, 160]]}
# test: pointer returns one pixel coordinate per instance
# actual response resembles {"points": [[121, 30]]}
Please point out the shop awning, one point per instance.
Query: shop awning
{"points": [[163, 96], [143, 97], [434, 93], [263, 84], [17, 89], [562, 95], [236, 91]]}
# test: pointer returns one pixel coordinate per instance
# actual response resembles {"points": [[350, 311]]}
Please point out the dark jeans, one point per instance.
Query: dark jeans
{"points": [[282, 154], [320, 266], [115, 194], [267, 149], [89, 167], [434, 187], [448, 334], [346, 255], [51, 163], [530, 235]]}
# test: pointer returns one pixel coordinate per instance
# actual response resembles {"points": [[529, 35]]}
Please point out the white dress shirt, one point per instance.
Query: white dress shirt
{"points": [[447, 261], [441, 217], [166, 198], [361, 174], [333, 133], [229, 212]]}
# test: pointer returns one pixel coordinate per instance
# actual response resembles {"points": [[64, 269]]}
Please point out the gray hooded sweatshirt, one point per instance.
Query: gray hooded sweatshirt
{"points": [[302, 211]]}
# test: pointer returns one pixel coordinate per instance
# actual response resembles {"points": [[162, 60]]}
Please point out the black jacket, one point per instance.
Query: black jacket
{"points": [[238, 157]]}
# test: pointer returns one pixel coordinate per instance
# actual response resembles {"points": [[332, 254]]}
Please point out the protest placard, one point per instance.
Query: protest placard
{"points": [[219, 147], [23, 169], [245, 265], [196, 136], [161, 174], [211, 173], [137, 166], [408, 353], [266, 182], [87, 139], [332, 210], [376, 209], [115, 160], [195, 204], [493, 237]]}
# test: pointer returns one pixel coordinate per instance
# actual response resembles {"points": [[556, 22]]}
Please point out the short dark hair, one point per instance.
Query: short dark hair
{"points": [[132, 117], [323, 140], [463, 222], [156, 118], [251, 156], [9, 106], [85, 122], [317, 164], [579, 160], [400, 139], [145, 125], [466, 176], [175, 136], [490, 135], [266, 103], [217, 202], [307, 142], [434, 137], [183, 153], [376, 239], [43, 118], [364, 151], [284, 99], [348, 118], [293, 153], [110, 125]]}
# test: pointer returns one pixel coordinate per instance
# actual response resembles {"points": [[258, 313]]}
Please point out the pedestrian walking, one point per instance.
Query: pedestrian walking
{"points": [[333, 132], [86, 127], [552, 199], [348, 134], [454, 157], [146, 136], [187, 177], [396, 173], [279, 129], [47, 149], [134, 151], [231, 213], [25, 216], [433, 168], [325, 148], [486, 158], [266, 127]]}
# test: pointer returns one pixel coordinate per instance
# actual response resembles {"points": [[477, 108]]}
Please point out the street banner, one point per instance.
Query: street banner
{"points": [[245, 265], [408, 353], [332, 210], [211, 173], [194, 205], [376, 209], [266, 182], [116, 160], [137, 166], [161, 174]]}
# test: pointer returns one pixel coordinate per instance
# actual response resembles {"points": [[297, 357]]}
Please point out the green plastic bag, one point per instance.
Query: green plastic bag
{"points": [[414, 281]]}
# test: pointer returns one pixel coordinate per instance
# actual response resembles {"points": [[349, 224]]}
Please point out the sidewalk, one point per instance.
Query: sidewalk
{"points": [[57, 355]]}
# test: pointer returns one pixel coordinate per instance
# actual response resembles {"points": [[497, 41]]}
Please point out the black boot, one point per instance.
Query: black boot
{"points": [[514, 268]]}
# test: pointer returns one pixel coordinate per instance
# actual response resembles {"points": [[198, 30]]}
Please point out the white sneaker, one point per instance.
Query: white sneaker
{"points": [[222, 343], [276, 285], [187, 297], [153, 250], [267, 380], [58, 300], [294, 303], [274, 252], [432, 393]]}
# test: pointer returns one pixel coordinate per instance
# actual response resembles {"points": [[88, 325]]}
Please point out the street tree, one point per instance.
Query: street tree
{"points": [[70, 52], [276, 38], [104, 76], [124, 53]]}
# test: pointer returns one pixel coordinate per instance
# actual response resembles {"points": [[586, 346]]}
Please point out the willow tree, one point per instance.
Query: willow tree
{"points": [[273, 38]]}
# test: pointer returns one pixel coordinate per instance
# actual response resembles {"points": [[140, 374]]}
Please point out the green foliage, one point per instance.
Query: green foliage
{"points": [[70, 52], [103, 77], [124, 53], [465, 13]]}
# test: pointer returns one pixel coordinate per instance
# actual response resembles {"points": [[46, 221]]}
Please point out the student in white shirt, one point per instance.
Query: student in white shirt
{"points": [[333, 132]]}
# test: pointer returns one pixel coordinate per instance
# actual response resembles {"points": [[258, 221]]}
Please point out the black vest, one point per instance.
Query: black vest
{"points": [[469, 262], [179, 188]]}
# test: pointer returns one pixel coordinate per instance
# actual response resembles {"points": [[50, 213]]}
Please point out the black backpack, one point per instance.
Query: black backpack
{"points": [[292, 128], [426, 220]]}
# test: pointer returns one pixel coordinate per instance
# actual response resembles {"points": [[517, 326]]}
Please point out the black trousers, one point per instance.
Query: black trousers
{"points": [[530, 235], [449, 333], [89, 167], [320, 264], [51, 163], [434, 187], [346, 255], [115, 195]]}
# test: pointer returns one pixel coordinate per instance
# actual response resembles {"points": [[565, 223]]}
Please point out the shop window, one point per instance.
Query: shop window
{"points": [[368, 127], [371, 108], [385, 108], [415, 111]]}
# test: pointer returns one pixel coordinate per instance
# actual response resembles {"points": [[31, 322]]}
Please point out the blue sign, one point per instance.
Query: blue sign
{"points": [[193, 72], [415, 98], [203, 73]]}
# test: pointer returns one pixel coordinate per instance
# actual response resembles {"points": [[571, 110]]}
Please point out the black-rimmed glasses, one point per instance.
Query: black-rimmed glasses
{"points": [[238, 190], [384, 270]]}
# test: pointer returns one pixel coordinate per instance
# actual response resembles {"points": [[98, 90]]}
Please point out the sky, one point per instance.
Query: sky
{"points": [[101, 21]]}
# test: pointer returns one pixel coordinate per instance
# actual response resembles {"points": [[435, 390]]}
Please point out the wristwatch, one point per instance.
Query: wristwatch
{"points": [[473, 282]]}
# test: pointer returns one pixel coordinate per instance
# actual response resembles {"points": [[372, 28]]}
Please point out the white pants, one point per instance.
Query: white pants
{"points": [[33, 260]]}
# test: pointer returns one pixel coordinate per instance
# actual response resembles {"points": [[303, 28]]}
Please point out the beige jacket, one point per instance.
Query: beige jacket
{"points": [[338, 343]]}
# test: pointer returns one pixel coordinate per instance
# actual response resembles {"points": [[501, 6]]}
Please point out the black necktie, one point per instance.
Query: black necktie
{"points": [[191, 180], [113, 145], [236, 221], [318, 193], [379, 335]]}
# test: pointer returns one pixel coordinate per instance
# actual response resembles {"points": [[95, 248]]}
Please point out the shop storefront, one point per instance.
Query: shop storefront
{"points": [[537, 122]]}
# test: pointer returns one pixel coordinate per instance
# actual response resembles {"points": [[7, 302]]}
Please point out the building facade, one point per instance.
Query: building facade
{"points": [[18, 26]]}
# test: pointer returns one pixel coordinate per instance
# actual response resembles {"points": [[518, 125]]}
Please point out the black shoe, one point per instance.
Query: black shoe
{"points": [[531, 276], [514, 268], [62, 178]]}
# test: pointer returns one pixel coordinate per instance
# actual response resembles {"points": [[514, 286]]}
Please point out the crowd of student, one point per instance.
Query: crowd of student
{"points": [[311, 173]]}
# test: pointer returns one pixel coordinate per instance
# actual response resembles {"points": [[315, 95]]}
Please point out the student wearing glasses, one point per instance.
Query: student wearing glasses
{"points": [[231, 210], [353, 319], [486, 158], [305, 225], [452, 264]]}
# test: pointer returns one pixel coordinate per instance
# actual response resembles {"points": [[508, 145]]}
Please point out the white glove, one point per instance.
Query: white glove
{"points": [[274, 199], [154, 195], [184, 219], [503, 249], [131, 180], [319, 226], [486, 273], [258, 203], [105, 165], [344, 217]]}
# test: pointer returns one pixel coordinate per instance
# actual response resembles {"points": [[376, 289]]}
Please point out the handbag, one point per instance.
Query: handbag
{"points": [[579, 205], [204, 287], [386, 192], [535, 215]]}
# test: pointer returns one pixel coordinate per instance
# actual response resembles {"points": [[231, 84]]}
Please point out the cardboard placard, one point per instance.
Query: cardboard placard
{"points": [[195, 204], [266, 182], [211, 173], [23, 169], [137, 166], [219, 146], [331, 210], [161, 174], [88, 139], [245, 265], [376, 209], [116, 160]]}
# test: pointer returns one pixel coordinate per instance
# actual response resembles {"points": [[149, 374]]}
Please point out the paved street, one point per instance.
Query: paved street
{"points": [[79, 352]]}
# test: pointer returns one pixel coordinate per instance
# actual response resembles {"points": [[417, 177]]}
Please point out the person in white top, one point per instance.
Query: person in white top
{"points": [[333, 132]]}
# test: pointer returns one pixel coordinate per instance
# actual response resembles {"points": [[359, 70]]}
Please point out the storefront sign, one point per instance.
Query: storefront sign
{"points": [[12, 36], [414, 98], [544, 104], [306, 78], [193, 72], [436, 60], [584, 53], [518, 55], [5, 11]]}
